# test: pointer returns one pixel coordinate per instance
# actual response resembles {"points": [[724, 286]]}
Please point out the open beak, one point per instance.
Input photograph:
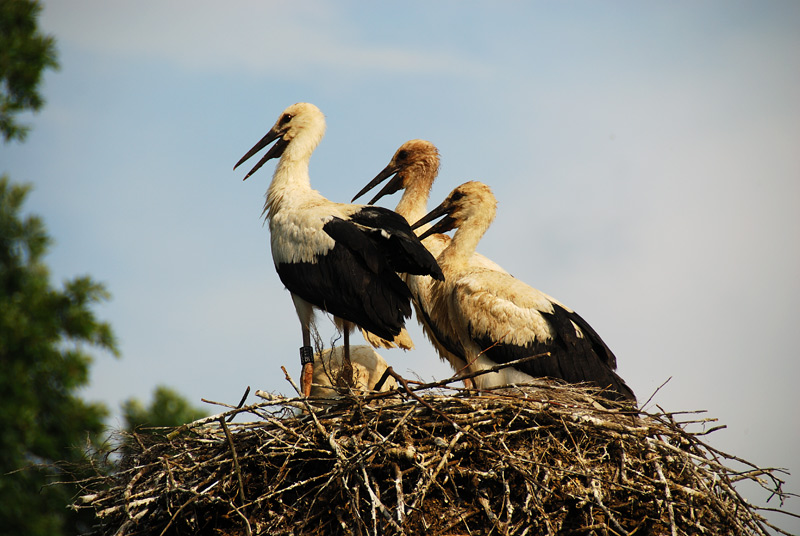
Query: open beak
{"points": [[274, 152], [391, 187], [445, 224]]}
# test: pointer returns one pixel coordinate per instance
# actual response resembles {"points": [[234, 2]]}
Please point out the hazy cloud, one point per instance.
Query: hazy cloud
{"points": [[277, 38]]}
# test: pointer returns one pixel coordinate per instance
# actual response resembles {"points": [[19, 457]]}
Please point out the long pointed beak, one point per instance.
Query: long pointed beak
{"points": [[445, 224], [274, 152], [391, 187]]}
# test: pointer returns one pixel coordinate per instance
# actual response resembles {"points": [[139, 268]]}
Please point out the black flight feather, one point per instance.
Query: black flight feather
{"points": [[572, 358], [393, 236]]}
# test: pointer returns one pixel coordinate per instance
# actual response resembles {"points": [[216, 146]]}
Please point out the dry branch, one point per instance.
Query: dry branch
{"points": [[550, 460]]}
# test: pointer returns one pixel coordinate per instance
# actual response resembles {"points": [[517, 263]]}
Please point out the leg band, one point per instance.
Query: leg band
{"points": [[306, 355]]}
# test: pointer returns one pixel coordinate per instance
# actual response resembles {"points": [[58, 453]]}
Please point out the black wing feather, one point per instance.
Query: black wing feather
{"points": [[353, 281], [357, 280], [394, 238], [572, 358], [600, 347]]}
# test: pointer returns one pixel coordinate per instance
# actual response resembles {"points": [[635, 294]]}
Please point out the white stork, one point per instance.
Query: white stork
{"points": [[413, 169], [498, 318], [337, 257], [368, 368]]}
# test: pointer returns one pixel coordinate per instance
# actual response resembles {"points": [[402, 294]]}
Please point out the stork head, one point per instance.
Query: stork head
{"points": [[302, 122], [472, 201], [415, 160]]}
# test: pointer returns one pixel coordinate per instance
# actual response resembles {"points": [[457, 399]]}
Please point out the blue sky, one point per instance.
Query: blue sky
{"points": [[646, 160]]}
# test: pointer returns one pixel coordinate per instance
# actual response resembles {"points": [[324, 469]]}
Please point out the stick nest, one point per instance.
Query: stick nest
{"points": [[551, 459]]}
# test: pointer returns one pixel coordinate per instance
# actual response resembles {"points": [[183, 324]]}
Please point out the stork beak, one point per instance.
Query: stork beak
{"points": [[445, 224], [274, 152], [391, 187]]}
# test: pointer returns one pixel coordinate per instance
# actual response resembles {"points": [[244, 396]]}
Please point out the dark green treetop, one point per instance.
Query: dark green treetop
{"points": [[45, 337], [24, 55]]}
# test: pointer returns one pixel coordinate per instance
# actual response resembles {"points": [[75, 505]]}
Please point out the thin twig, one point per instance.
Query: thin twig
{"points": [[235, 460], [376, 502], [599, 500], [175, 515], [246, 521], [520, 462], [416, 397], [398, 486], [417, 503], [241, 403], [452, 379], [650, 398], [668, 496], [308, 407]]}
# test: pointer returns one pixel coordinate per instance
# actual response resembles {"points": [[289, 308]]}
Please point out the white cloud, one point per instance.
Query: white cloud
{"points": [[279, 38]]}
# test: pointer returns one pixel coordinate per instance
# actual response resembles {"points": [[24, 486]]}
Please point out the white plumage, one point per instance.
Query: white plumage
{"points": [[367, 364], [498, 319], [340, 258], [413, 169]]}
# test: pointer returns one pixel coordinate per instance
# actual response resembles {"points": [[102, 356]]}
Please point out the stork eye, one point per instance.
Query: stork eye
{"points": [[456, 196], [285, 118], [402, 155]]}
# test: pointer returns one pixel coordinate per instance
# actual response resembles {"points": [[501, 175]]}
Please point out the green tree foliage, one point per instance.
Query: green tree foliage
{"points": [[167, 408], [24, 55], [44, 337]]}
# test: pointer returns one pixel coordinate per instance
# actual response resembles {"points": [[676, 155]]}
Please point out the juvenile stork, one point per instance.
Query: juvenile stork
{"points": [[498, 319], [368, 368], [413, 169], [337, 257]]}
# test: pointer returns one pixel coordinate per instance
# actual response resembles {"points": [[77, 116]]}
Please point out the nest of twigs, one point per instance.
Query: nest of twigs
{"points": [[550, 459]]}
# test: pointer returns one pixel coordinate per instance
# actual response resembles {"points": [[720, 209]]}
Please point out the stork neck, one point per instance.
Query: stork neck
{"points": [[414, 203], [290, 178], [465, 241], [291, 173]]}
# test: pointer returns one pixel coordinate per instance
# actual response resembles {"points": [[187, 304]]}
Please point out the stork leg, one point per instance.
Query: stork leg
{"points": [[346, 372], [305, 313], [307, 361]]}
